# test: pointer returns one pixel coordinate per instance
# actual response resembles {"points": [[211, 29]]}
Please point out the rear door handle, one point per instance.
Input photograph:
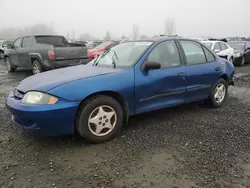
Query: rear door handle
{"points": [[181, 74], [217, 69]]}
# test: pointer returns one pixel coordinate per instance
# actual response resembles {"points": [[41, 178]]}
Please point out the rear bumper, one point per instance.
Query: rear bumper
{"points": [[46, 120]]}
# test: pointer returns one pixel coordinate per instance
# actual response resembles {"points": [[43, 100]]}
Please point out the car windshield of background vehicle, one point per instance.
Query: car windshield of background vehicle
{"points": [[102, 45], [209, 45], [237, 45], [123, 55]]}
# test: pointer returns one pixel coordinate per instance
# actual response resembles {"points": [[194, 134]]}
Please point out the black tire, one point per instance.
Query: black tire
{"points": [[211, 101], [9, 66], [87, 108], [36, 67], [1, 55], [231, 59], [243, 61]]}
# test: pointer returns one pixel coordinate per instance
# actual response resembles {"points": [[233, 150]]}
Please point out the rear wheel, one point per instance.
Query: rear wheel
{"points": [[218, 93], [9, 67], [36, 67], [99, 119]]}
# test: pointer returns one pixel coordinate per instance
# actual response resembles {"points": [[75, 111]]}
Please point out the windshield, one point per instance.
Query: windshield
{"points": [[237, 45], [209, 45], [122, 55]]}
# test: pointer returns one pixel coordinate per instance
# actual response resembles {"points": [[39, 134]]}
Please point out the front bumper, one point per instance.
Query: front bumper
{"points": [[46, 120]]}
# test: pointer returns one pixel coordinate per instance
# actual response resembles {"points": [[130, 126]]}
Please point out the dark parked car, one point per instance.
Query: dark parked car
{"points": [[44, 52], [241, 52]]}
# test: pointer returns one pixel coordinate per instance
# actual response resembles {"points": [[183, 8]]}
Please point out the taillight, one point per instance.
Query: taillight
{"points": [[51, 54]]}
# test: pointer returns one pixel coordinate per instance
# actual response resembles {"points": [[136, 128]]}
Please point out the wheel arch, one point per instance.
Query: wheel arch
{"points": [[112, 94], [225, 77], [34, 58]]}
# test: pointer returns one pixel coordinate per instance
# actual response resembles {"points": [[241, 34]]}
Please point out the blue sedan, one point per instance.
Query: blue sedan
{"points": [[96, 99]]}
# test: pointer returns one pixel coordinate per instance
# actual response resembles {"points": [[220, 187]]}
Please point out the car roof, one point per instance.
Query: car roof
{"points": [[158, 39], [41, 36], [238, 41]]}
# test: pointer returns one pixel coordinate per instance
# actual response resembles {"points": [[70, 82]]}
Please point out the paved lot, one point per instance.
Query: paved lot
{"points": [[182, 147]]}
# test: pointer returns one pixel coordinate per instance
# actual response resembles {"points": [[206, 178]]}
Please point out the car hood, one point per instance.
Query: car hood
{"points": [[48, 80]]}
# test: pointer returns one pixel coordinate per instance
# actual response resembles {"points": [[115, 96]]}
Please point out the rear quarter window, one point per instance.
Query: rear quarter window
{"points": [[210, 57], [53, 40]]}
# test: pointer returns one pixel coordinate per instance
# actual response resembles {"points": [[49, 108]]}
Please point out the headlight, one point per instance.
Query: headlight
{"points": [[237, 55], [34, 97]]}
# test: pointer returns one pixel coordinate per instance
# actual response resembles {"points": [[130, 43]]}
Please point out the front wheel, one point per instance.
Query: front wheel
{"points": [[36, 67], [1, 55], [99, 119], [218, 93], [9, 67]]}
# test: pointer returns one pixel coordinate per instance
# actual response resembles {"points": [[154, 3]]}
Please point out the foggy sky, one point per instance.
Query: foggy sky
{"points": [[193, 18]]}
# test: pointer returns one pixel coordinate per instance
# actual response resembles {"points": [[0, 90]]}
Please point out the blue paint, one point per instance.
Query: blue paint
{"points": [[141, 90]]}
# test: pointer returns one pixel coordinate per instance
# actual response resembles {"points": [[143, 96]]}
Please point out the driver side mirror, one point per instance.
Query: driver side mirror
{"points": [[150, 65], [5, 45], [217, 51]]}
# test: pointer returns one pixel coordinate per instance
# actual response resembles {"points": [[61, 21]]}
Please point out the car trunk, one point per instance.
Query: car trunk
{"points": [[71, 52], [63, 50]]}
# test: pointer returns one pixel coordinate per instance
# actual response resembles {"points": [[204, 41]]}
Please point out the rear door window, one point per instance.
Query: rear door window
{"points": [[194, 52], [223, 46], [217, 46]]}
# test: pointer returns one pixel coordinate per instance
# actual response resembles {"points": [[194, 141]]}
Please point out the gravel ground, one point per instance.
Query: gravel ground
{"points": [[188, 146]]}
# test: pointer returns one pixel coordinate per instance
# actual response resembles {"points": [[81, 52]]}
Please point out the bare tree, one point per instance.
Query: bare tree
{"points": [[135, 32], [87, 36], [107, 36], [169, 26], [12, 33]]}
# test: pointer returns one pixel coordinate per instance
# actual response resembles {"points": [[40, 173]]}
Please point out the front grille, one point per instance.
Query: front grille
{"points": [[18, 94]]}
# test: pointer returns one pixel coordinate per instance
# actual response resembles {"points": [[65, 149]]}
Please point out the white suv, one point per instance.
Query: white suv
{"points": [[221, 48]]}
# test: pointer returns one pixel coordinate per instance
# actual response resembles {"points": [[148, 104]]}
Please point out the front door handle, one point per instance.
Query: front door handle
{"points": [[217, 69], [181, 74]]}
